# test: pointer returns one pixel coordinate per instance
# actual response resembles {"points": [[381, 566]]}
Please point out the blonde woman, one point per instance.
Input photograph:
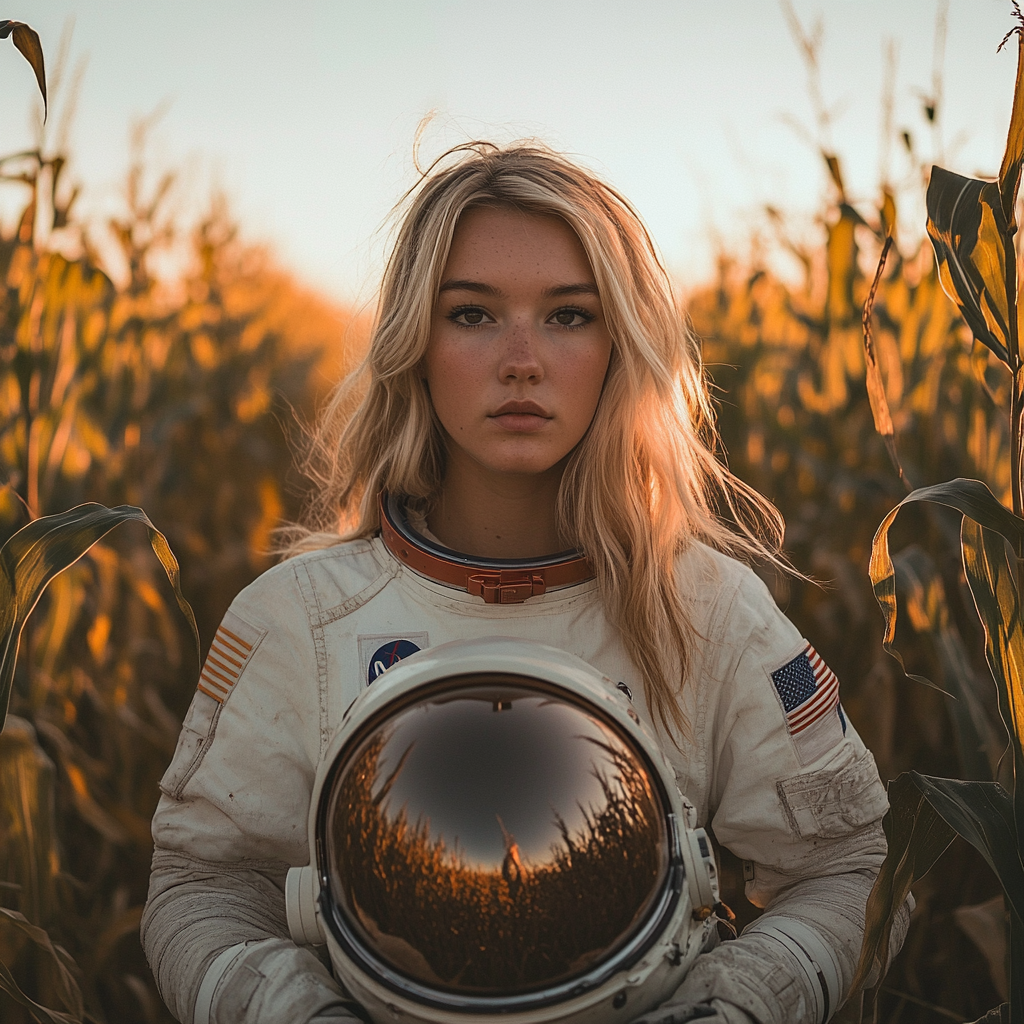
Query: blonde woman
{"points": [[532, 402]]}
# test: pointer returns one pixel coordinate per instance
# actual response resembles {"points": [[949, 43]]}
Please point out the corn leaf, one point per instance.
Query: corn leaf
{"points": [[26, 39], [917, 836], [46, 547], [985, 925], [842, 265], [1013, 157], [968, 230], [41, 1013], [56, 958], [981, 812], [835, 171], [970, 498], [991, 579], [979, 744], [873, 379], [28, 826], [887, 214]]}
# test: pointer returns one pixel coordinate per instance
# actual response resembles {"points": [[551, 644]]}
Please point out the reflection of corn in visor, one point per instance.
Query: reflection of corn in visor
{"points": [[496, 834]]}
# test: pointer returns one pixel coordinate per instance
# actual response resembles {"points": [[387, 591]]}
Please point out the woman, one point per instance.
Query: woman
{"points": [[530, 388]]}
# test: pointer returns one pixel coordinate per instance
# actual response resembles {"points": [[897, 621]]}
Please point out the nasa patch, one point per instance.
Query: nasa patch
{"points": [[380, 651]]}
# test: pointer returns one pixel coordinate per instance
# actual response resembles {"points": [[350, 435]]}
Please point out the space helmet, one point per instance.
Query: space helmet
{"points": [[496, 834]]}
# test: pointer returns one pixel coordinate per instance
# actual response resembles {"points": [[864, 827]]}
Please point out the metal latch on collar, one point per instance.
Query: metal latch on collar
{"points": [[507, 586]]}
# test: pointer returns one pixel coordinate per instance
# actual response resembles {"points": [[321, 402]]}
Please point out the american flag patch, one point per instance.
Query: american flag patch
{"points": [[809, 691], [228, 655]]}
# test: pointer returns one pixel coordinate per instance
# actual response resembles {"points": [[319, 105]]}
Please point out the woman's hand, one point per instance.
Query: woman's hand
{"points": [[715, 1012]]}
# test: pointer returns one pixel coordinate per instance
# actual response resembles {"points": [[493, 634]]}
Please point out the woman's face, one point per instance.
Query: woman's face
{"points": [[518, 346]]}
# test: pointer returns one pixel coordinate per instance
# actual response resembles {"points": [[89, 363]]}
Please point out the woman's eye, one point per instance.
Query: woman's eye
{"points": [[571, 317], [468, 316]]}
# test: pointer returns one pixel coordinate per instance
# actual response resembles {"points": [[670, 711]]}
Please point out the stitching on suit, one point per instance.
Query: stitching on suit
{"points": [[313, 616], [197, 758]]}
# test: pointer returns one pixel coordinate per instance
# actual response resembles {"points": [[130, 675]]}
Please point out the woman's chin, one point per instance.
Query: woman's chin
{"points": [[525, 468]]}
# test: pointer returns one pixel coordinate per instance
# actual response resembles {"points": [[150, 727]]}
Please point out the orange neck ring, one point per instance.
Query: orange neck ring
{"points": [[498, 581]]}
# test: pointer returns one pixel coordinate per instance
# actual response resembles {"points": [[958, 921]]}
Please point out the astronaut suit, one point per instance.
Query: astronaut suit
{"points": [[769, 761]]}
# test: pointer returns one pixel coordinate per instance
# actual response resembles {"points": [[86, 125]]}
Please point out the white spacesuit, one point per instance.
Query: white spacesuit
{"points": [[769, 761]]}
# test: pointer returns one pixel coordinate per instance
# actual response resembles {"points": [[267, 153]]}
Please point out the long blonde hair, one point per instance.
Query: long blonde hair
{"points": [[642, 484]]}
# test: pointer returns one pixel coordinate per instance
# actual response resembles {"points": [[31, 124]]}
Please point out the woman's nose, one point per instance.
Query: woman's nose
{"points": [[520, 358]]}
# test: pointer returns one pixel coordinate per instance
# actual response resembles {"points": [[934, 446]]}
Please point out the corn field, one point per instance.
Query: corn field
{"points": [[180, 393], [180, 396], [796, 422]]}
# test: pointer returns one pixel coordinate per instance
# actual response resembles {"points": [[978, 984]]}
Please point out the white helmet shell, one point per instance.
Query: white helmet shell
{"points": [[538, 866]]}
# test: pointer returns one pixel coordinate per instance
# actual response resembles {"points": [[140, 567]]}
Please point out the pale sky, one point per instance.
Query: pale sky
{"points": [[305, 113]]}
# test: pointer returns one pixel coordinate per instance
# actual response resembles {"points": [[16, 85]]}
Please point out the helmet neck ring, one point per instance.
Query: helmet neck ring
{"points": [[496, 580]]}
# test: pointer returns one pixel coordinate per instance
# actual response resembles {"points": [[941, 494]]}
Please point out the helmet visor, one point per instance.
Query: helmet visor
{"points": [[492, 836]]}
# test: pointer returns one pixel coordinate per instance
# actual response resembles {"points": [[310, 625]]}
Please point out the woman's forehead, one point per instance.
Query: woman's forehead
{"points": [[507, 241]]}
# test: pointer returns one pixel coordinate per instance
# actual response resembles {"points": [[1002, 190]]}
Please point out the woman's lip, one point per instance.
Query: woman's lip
{"points": [[521, 409], [520, 422]]}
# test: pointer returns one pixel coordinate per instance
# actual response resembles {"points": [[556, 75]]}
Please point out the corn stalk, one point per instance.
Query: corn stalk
{"points": [[971, 224]]}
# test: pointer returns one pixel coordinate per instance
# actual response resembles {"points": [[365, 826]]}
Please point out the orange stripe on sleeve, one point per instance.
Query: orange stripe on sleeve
{"points": [[209, 669], [232, 668], [223, 646], [237, 639], [210, 680]]}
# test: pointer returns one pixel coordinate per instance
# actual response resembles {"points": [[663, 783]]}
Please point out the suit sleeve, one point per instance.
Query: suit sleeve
{"points": [[233, 817]]}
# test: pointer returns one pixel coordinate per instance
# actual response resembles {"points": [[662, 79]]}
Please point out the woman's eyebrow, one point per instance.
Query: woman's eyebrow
{"points": [[471, 286], [585, 288], [461, 285]]}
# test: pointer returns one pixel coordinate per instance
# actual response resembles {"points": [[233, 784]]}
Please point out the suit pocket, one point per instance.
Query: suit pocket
{"points": [[836, 800], [197, 733]]}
